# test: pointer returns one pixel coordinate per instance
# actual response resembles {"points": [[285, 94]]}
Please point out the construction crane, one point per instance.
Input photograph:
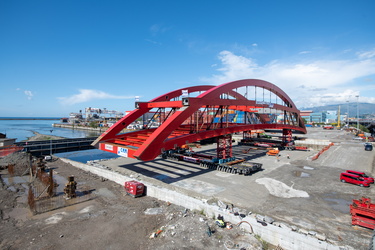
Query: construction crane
{"points": [[338, 119]]}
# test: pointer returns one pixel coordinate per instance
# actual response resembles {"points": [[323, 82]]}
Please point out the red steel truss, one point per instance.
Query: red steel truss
{"points": [[200, 112]]}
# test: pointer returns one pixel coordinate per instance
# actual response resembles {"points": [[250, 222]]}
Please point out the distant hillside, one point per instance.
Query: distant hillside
{"points": [[364, 108]]}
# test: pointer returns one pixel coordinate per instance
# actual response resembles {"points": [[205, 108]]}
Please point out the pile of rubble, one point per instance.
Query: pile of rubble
{"points": [[195, 230], [20, 162]]}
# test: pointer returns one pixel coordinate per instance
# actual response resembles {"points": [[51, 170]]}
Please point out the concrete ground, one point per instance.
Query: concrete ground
{"points": [[296, 190]]}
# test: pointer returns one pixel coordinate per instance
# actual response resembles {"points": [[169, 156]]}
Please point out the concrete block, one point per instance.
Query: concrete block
{"points": [[154, 210], [268, 219], [321, 237], [222, 204], [285, 226], [312, 233], [259, 217]]}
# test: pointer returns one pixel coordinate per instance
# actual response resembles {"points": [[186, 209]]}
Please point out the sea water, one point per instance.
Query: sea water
{"points": [[22, 128]]}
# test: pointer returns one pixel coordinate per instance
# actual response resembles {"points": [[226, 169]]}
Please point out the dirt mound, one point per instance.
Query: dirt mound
{"points": [[19, 160]]}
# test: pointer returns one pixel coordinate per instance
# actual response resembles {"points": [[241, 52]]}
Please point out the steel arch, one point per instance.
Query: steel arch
{"points": [[185, 121]]}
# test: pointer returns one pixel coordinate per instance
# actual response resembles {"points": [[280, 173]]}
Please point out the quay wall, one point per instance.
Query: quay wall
{"points": [[70, 126]]}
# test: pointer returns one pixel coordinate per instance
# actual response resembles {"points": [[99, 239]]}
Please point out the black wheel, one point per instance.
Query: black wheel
{"points": [[343, 181], [372, 243]]}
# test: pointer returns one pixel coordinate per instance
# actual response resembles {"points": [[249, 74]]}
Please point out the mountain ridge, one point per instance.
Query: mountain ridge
{"points": [[363, 108]]}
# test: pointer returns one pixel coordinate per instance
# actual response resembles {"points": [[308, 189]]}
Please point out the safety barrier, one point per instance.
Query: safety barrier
{"points": [[321, 151]]}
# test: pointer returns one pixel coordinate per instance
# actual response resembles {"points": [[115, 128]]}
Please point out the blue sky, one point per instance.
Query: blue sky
{"points": [[58, 57]]}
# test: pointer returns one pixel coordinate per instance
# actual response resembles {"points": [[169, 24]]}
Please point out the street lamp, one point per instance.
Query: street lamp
{"points": [[347, 115], [357, 112]]}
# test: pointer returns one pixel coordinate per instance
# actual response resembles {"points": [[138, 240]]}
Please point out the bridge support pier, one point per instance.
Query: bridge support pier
{"points": [[224, 146], [287, 137]]}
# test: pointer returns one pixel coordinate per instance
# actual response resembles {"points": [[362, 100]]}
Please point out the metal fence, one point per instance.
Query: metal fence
{"points": [[56, 202], [42, 196]]}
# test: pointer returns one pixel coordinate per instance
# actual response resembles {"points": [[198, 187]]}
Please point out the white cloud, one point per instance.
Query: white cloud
{"points": [[29, 94], [342, 97], [307, 83], [304, 52], [157, 29], [152, 41], [86, 95], [366, 54]]}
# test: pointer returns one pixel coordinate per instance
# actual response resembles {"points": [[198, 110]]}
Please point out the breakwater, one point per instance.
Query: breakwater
{"points": [[71, 126]]}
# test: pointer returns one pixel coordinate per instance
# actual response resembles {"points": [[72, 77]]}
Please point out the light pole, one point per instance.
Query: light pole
{"points": [[347, 115], [357, 112], [51, 143]]}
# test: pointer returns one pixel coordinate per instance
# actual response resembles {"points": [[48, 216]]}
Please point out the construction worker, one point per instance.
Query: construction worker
{"points": [[220, 221]]}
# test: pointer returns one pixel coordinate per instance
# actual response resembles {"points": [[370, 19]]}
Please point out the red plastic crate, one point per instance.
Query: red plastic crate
{"points": [[134, 188]]}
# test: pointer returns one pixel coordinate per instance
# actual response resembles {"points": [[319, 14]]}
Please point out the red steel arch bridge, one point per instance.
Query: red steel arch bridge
{"points": [[196, 113]]}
